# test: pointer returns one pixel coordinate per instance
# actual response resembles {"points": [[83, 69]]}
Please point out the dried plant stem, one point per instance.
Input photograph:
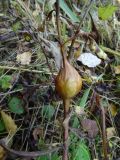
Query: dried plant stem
{"points": [[23, 69], [104, 137], [27, 154], [104, 133], [66, 104], [110, 51]]}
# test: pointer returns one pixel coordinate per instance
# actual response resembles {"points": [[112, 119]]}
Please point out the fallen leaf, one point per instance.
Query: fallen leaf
{"points": [[24, 58], [37, 132], [110, 132], [90, 126], [96, 49], [2, 153], [79, 110], [10, 125], [89, 60], [53, 51], [117, 69], [8, 141], [113, 109]]}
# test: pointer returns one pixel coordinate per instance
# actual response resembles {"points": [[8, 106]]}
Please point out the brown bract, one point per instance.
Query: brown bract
{"points": [[68, 81]]}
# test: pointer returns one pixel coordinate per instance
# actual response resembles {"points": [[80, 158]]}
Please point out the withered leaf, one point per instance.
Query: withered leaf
{"points": [[117, 69], [37, 132], [10, 125], [90, 126], [110, 132], [24, 58], [2, 153]]}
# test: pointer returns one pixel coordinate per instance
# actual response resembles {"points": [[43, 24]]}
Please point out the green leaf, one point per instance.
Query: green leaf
{"points": [[106, 12], [55, 157], [2, 126], [48, 111], [52, 157], [75, 122], [16, 26], [81, 152], [16, 105], [5, 81], [84, 98], [68, 11], [43, 158]]}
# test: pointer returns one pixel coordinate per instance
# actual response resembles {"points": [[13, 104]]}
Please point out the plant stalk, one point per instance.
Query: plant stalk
{"points": [[66, 104], [104, 134]]}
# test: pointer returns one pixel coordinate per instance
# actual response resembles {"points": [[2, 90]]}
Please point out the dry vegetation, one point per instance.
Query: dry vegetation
{"points": [[35, 37]]}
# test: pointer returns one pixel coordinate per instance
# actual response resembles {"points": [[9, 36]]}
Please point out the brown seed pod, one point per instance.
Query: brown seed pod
{"points": [[68, 81]]}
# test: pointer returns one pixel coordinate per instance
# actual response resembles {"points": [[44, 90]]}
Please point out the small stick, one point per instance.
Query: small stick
{"points": [[27, 154], [104, 137], [104, 133], [24, 70], [110, 51]]}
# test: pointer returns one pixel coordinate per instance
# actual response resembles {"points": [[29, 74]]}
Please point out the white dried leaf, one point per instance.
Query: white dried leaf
{"points": [[56, 54], [79, 110], [53, 50], [110, 132], [89, 60], [24, 58]]}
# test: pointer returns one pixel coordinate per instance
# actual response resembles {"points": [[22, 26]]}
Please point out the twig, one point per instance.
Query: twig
{"points": [[104, 137], [110, 51], [11, 92], [78, 30], [104, 133], [27, 154], [23, 69]]}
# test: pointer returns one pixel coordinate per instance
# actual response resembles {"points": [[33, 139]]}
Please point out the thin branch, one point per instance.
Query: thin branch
{"points": [[24, 70], [104, 133], [27, 154], [104, 137]]}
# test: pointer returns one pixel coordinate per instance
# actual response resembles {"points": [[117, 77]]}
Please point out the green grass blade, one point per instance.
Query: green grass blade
{"points": [[83, 100], [68, 11]]}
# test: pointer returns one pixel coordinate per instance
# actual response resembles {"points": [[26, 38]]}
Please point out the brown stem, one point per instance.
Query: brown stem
{"points": [[59, 32], [104, 137], [66, 104], [25, 153], [58, 20], [104, 133]]}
